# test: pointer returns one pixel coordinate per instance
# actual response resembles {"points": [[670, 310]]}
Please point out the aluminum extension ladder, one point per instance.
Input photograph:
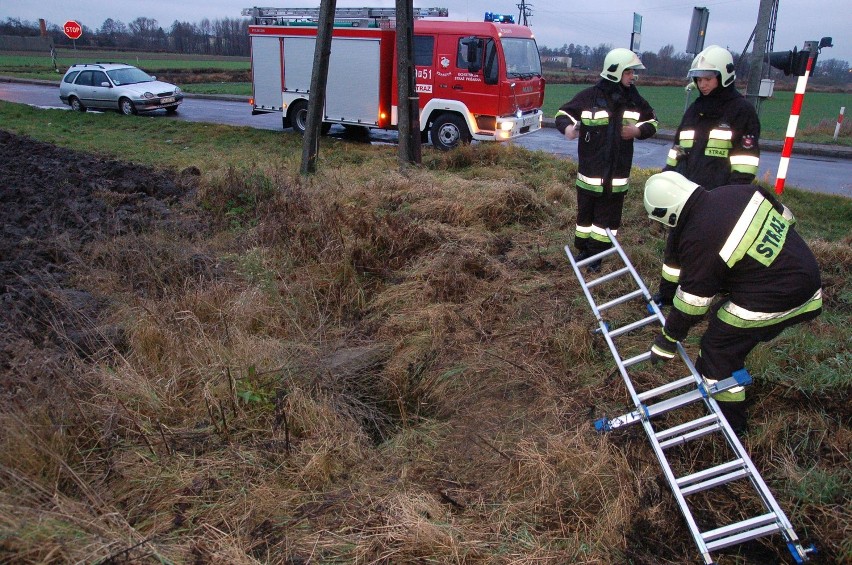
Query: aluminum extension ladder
{"points": [[668, 398]]}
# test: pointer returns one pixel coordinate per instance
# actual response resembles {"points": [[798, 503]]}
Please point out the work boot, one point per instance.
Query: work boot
{"points": [[594, 267], [736, 415], [582, 254]]}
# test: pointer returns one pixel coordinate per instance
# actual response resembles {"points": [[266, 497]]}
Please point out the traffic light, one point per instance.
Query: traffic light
{"points": [[791, 62]]}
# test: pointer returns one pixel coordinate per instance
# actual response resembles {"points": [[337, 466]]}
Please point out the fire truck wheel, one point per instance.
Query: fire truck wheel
{"points": [[298, 115], [449, 131]]}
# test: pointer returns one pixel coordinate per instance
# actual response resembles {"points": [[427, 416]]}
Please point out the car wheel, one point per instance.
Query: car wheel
{"points": [[172, 110], [76, 105], [298, 115], [126, 107], [449, 131]]}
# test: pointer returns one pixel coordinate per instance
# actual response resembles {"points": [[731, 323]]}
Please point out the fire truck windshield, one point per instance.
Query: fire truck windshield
{"points": [[522, 60]]}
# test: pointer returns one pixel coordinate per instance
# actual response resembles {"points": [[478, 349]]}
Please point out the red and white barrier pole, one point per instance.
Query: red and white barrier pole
{"points": [[792, 125], [839, 122]]}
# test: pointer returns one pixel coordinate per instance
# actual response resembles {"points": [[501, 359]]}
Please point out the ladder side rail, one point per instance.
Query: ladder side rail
{"points": [[340, 13], [603, 327]]}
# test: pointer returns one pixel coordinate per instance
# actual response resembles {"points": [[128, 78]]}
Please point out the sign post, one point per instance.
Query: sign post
{"points": [[73, 31]]}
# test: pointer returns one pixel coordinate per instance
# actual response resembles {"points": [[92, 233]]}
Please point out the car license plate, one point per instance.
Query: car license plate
{"points": [[168, 100]]}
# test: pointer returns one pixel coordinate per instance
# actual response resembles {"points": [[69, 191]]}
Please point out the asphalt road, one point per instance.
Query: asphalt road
{"points": [[826, 174]]}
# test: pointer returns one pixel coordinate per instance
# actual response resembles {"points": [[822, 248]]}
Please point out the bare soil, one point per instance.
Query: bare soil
{"points": [[54, 202]]}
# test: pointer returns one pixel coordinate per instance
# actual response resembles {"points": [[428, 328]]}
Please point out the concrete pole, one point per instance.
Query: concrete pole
{"points": [[758, 52]]}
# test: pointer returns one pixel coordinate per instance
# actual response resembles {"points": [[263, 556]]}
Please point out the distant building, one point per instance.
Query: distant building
{"points": [[557, 60]]}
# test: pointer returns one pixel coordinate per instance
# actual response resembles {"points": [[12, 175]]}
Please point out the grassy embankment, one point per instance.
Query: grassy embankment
{"points": [[387, 369], [816, 125]]}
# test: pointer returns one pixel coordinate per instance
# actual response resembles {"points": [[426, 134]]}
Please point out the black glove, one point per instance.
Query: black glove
{"points": [[663, 348], [665, 295], [657, 299]]}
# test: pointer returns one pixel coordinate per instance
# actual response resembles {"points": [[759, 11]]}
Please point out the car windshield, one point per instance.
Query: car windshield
{"points": [[522, 58], [129, 75]]}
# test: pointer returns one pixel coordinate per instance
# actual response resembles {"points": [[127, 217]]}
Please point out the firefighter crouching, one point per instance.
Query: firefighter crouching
{"points": [[607, 117], [740, 241]]}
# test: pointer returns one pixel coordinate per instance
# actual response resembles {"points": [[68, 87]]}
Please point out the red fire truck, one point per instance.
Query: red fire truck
{"points": [[475, 80]]}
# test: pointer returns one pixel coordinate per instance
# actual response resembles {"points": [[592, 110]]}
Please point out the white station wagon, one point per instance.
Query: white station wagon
{"points": [[116, 86]]}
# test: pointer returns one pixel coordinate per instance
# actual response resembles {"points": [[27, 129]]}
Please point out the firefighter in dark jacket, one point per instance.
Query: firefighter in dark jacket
{"points": [[607, 118], [737, 240], [717, 141]]}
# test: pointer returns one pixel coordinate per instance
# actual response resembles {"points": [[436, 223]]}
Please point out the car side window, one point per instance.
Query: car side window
{"points": [[69, 78], [98, 77], [85, 78]]}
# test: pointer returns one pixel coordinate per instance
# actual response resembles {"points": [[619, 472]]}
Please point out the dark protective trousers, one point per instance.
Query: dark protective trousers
{"points": [[595, 213], [724, 347]]}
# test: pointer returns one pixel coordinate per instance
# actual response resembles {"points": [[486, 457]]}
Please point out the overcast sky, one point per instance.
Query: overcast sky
{"points": [[555, 22]]}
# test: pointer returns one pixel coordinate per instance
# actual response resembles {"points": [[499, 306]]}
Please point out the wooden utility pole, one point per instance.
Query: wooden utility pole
{"points": [[316, 103], [408, 105]]}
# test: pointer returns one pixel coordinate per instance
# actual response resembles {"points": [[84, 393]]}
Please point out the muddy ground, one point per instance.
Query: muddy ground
{"points": [[55, 202]]}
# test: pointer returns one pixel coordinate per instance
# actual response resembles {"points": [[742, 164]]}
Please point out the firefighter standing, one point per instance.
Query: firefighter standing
{"points": [[607, 118], [738, 240], [717, 142]]}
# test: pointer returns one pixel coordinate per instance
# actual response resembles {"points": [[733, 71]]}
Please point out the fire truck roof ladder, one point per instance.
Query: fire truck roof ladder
{"points": [[276, 15], [682, 403]]}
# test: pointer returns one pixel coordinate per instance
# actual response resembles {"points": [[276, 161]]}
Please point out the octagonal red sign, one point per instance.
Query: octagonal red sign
{"points": [[72, 29]]}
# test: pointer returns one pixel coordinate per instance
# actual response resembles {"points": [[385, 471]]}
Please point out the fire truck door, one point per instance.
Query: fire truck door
{"points": [[460, 73]]}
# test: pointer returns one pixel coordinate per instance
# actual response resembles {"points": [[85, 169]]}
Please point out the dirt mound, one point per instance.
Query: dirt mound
{"points": [[53, 203]]}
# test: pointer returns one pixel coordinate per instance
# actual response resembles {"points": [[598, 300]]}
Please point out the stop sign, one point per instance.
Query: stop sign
{"points": [[72, 29]]}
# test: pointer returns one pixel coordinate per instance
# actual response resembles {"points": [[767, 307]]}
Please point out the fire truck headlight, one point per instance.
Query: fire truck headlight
{"points": [[506, 126]]}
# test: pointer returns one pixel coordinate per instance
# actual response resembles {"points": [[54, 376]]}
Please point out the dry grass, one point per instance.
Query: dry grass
{"points": [[367, 368]]}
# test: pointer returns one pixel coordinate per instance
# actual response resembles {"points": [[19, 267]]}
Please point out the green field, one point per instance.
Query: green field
{"points": [[40, 66]]}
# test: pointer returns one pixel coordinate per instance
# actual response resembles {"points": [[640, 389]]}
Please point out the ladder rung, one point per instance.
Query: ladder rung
{"points": [[682, 439], [606, 277], [715, 481], [637, 359], [633, 325], [710, 472], [750, 524], [675, 402], [674, 385], [743, 537], [620, 300]]}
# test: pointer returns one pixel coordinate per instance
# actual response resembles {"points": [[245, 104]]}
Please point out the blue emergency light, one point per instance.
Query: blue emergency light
{"points": [[499, 18]]}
